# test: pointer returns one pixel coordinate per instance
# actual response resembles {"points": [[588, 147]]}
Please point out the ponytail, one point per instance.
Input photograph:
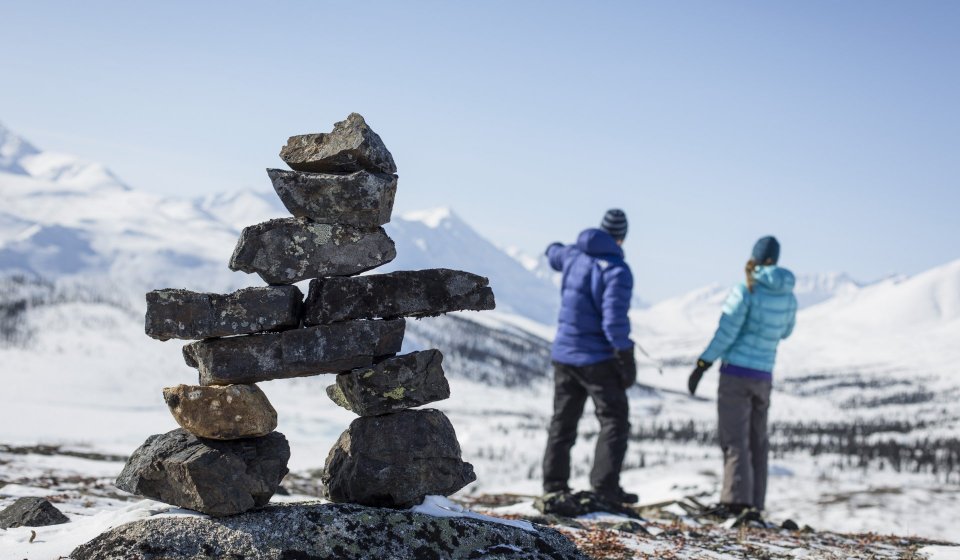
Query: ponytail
{"points": [[749, 269]]}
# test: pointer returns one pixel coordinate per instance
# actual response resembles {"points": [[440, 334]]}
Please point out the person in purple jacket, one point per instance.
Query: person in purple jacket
{"points": [[592, 356]]}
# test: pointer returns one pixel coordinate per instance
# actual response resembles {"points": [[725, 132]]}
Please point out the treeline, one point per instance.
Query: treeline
{"points": [[880, 444]]}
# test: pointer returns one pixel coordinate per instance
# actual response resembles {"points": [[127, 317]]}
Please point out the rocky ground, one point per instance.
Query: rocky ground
{"points": [[665, 530]]}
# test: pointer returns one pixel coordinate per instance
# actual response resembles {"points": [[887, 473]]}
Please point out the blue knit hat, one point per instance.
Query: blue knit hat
{"points": [[615, 223], [766, 248]]}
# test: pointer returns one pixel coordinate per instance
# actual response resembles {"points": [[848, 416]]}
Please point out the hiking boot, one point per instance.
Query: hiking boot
{"points": [[556, 487], [617, 495]]}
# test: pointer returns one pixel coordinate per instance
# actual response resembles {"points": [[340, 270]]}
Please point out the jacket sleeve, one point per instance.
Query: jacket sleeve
{"points": [[555, 256], [615, 304], [792, 321], [731, 321]]}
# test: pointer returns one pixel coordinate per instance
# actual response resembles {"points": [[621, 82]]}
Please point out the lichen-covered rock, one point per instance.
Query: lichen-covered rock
{"points": [[211, 476], [310, 351], [226, 412], [31, 512], [392, 385], [288, 250], [361, 199], [317, 531], [395, 460], [408, 293], [192, 316], [351, 146]]}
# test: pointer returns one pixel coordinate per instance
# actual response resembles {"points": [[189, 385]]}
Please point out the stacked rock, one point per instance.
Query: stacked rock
{"points": [[227, 458]]}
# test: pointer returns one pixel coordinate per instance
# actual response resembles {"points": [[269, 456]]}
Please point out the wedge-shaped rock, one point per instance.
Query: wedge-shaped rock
{"points": [[351, 146], [310, 351], [392, 385], [360, 199], [288, 250], [410, 293], [229, 412], [193, 316], [396, 460], [31, 512], [214, 477]]}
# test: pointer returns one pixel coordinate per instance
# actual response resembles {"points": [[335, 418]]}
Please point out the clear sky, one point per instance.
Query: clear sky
{"points": [[833, 125]]}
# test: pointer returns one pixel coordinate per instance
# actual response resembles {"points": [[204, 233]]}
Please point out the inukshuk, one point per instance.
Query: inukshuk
{"points": [[227, 458]]}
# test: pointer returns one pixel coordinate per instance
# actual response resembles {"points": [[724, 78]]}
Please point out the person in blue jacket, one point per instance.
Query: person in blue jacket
{"points": [[592, 355], [757, 315]]}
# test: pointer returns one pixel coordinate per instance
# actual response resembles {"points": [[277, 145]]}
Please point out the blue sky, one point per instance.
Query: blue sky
{"points": [[833, 125]]}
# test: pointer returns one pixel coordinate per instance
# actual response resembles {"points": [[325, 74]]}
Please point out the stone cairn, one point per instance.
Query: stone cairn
{"points": [[227, 457]]}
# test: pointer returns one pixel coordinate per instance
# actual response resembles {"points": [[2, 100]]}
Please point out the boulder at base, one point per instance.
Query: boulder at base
{"points": [[207, 475], [288, 250], [31, 512], [351, 146], [223, 412], [392, 385], [325, 532], [396, 460]]}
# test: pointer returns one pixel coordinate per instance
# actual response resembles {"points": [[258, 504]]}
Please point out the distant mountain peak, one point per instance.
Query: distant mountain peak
{"points": [[433, 217], [13, 148]]}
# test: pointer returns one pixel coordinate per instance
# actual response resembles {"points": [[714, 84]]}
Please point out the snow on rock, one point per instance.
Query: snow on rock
{"points": [[439, 506]]}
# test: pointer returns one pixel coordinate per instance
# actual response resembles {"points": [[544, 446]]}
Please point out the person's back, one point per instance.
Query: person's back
{"points": [[595, 296], [765, 316]]}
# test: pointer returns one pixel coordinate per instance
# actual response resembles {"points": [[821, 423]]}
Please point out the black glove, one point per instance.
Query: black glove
{"points": [[698, 372], [627, 367]]}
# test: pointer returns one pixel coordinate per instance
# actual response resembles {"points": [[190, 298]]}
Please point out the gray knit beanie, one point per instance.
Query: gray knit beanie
{"points": [[615, 223]]}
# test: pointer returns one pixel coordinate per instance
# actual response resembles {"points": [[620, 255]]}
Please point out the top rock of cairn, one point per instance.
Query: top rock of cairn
{"points": [[352, 146]]}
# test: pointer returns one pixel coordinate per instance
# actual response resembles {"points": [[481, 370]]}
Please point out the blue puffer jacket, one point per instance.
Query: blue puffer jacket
{"points": [[595, 297], [753, 324]]}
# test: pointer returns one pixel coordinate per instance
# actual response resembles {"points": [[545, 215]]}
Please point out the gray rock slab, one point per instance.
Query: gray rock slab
{"points": [[360, 199], [317, 531], [408, 293], [190, 315], [392, 385], [31, 512], [310, 351], [351, 146], [288, 250], [222, 412], [395, 460], [207, 475]]}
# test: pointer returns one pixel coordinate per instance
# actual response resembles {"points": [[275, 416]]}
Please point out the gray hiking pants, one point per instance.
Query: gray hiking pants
{"points": [[742, 405]]}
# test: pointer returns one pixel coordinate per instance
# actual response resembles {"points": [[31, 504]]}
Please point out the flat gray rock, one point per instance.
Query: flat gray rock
{"points": [[395, 460], [31, 512], [221, 412], [392, 385], [408, 293], [314, 531], [193, 316], [288, 250], [294, 353], [360, 199], [207, 475], [351, 146]]}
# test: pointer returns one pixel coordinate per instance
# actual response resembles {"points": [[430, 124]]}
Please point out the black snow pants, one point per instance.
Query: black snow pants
{"points": [[572, 385]]}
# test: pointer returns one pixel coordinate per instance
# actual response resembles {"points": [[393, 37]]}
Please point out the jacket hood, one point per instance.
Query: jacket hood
{"points": [[775, 279], [598, 243]]}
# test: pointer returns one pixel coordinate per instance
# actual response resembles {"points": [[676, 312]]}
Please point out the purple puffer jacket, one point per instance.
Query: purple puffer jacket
{"points": [[595, 297]]}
